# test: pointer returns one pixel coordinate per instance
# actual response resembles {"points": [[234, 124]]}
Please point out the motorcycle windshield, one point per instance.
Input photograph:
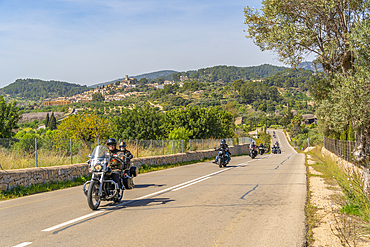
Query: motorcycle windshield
{"points": [[100, 152]]}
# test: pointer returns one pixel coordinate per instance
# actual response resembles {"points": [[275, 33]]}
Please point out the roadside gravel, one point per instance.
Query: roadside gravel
{"points": [[323, 197]]}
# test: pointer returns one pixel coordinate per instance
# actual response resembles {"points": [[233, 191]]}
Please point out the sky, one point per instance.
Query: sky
{"points": [[94, 41]]}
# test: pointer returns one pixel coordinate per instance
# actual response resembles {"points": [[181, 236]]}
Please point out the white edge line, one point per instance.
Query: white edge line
{"points": [[23, 244], [72, 221], [191, 184]]}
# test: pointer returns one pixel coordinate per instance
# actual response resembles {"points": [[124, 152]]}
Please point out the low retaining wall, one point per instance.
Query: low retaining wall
{"points": [[349, 167], [38, 175], [345, 165]]}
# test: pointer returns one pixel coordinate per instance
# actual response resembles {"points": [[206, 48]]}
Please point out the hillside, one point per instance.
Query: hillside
{"points": [[231, 73], [149, 76], [311, 66], [297, 78], [35, 89]]}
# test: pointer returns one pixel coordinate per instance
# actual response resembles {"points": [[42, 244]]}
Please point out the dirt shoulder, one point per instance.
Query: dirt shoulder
{"points": [[328, 226]]}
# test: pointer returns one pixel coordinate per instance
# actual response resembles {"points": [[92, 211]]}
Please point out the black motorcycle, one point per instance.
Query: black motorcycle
{"points": [[275, 150], [261, 150], [253, 151], [221, 161], [101, 187]]}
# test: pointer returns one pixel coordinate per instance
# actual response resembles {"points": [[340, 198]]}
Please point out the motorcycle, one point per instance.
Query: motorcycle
{"points": [[261, 150], [222, 158], [275, 150], [253, 152], [101, 187]]}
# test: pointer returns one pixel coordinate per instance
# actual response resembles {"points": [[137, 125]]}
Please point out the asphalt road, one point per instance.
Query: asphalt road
{"points": [[256, 202]]}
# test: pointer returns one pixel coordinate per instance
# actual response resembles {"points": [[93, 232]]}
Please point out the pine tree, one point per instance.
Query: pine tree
{"points": [[350, 133], [47, 120], [52, 122]]}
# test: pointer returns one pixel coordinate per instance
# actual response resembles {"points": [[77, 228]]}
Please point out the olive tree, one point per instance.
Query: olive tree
{"points": [[337, 33]]}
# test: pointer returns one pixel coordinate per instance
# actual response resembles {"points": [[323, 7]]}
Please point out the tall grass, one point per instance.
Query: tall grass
{"points": [[356, 201]]}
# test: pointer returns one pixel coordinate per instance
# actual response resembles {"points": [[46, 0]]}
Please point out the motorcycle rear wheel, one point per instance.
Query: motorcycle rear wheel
{"points": [[119, 198], [93, 198]]}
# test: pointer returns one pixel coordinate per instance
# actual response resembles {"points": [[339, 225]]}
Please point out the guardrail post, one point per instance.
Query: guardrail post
{"points": [[182, 146], [137, 148], [70, 144], [36, 151]]}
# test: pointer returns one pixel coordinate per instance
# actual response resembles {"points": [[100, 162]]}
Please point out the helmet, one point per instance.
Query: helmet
{"points": [[111, 141], [223, 142], [122, 144]]}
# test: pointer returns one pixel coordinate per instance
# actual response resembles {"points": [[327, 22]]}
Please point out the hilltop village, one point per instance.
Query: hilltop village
{"points": [[111, 92]]}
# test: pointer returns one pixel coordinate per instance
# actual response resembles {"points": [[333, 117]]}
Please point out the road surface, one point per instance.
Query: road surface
{"points": [[257, 202]]}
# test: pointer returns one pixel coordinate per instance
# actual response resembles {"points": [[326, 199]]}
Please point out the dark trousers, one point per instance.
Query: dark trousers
{"points": [[116, 178]]}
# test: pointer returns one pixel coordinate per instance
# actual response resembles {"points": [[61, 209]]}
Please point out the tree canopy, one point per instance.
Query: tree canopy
{"points": [[9, 117], [337, 33]]}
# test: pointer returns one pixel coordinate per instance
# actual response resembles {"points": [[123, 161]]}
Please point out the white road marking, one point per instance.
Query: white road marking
{"points": [[23, 244], [173, 188], [73, 221], [191, 184]]}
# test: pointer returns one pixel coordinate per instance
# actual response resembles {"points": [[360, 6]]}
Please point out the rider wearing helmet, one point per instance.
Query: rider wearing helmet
{"points": [[126, 154], [112, 143], [223, 146]]}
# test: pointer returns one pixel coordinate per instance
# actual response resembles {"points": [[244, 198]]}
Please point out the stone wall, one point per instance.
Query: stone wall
{"points": [[32, 176], [349, 167]]}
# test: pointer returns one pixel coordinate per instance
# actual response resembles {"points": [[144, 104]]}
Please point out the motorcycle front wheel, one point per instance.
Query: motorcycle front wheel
{"points": [[220, 162], [93, 198]]}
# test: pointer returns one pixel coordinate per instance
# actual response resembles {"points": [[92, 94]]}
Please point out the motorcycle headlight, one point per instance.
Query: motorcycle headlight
{"points": [[97, 167]]}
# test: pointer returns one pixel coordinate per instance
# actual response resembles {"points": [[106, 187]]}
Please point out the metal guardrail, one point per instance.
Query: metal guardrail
{"points": [[343, 149], [34, 152]]}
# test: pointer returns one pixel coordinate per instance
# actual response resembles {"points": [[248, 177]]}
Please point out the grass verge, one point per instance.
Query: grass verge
{"points": [[353, 214]]}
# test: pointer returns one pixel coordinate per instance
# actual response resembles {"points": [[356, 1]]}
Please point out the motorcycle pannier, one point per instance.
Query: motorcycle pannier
{"points": [[134, 171]]}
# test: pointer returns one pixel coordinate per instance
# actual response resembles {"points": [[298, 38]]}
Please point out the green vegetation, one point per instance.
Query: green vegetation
{"points": [[355, 203], [34, 89], [9, 117], [342, 93], [147, 123]]}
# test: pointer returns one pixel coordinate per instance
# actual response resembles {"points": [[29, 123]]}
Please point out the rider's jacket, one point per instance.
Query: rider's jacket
{"points": [[127, 154], [116, 152], [224, 147]]}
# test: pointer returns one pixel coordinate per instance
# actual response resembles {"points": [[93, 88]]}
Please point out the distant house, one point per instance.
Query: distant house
{"points": [[309, 118], [56, 102], [239, 120]]}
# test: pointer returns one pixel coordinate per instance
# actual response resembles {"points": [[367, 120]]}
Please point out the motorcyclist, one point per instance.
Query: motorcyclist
{"points": [[127, 156], [223, 146], [262, 147], [252, 146], [111, 143]]}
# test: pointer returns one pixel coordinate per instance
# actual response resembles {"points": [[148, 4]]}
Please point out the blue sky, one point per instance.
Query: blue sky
{"points": [[94, 41]]}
